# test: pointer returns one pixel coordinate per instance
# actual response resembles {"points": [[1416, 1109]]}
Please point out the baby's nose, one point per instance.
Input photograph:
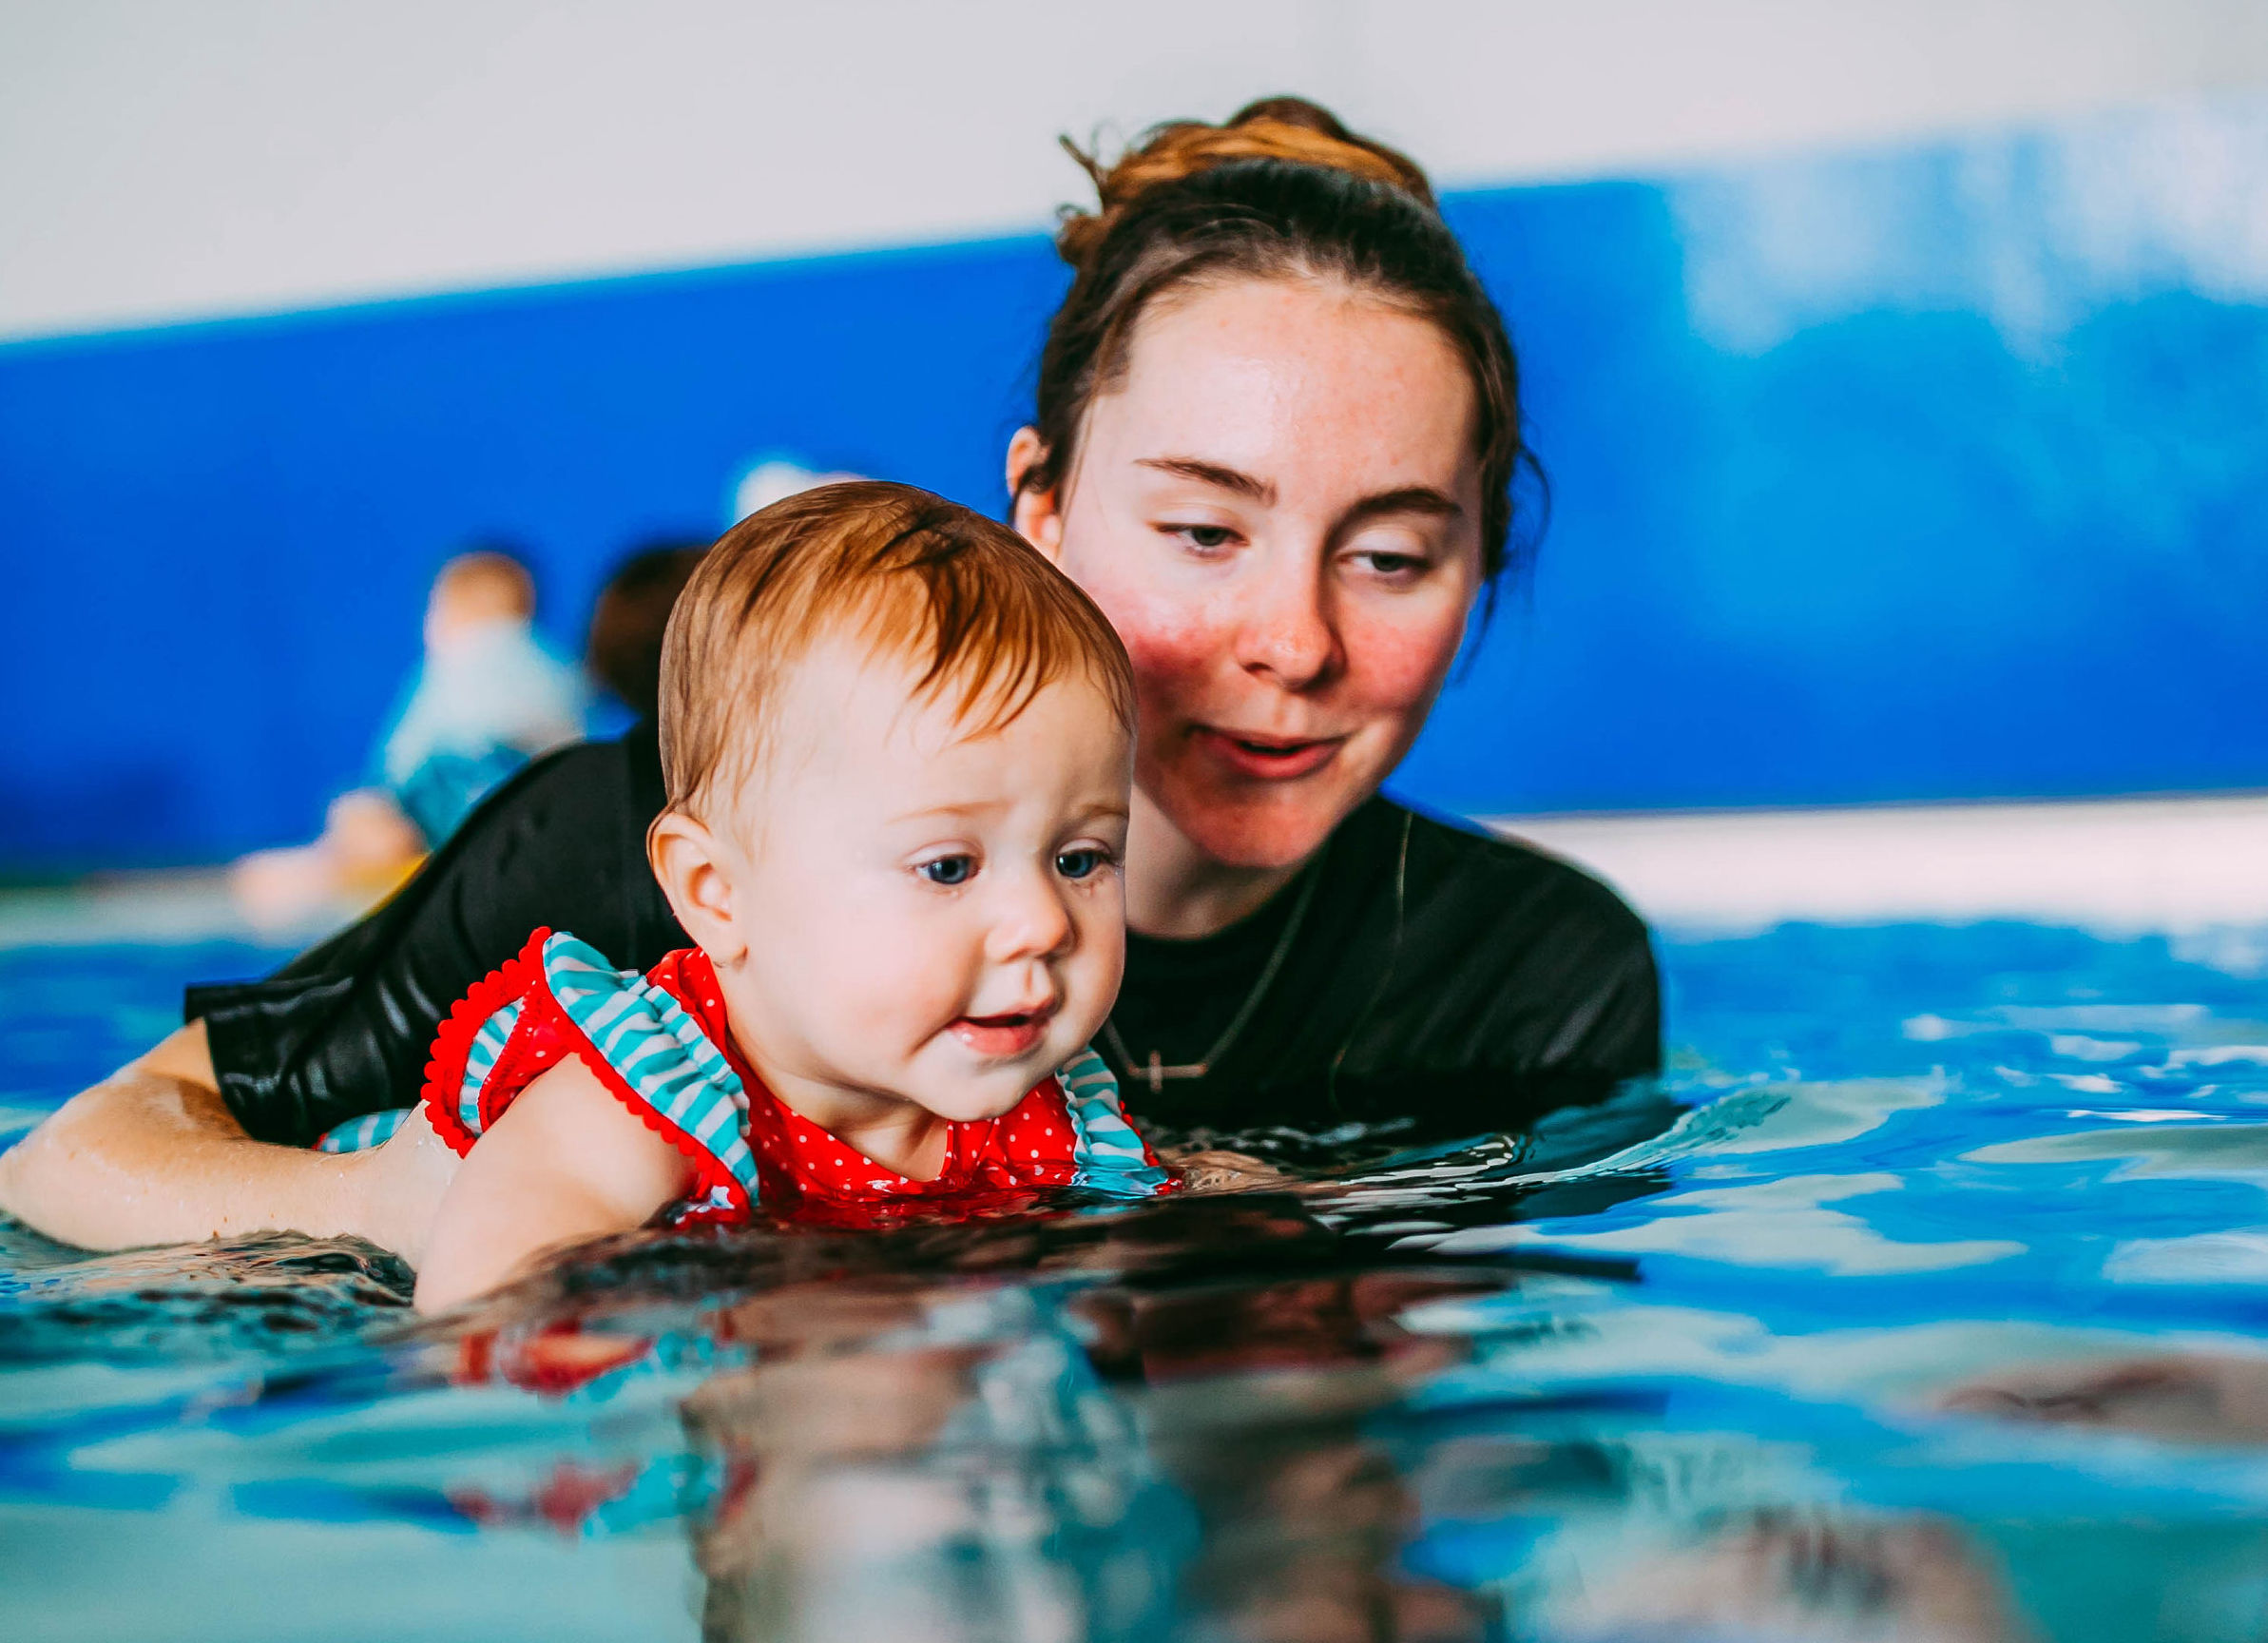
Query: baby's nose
{"points": [[1031, 922]]}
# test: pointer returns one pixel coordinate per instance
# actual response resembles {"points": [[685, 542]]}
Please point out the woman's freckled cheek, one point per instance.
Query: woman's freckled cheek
{"points": [[1175, 652], [1398, 668]]}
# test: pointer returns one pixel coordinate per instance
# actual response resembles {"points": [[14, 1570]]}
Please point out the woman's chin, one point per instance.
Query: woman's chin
{"points": [[1260, 834]]}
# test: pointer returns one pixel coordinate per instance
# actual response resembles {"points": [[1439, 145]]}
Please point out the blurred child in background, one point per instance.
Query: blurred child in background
{"points": [[486, 698]]}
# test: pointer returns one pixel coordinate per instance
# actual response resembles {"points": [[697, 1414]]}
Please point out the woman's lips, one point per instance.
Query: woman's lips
{"points": [[999, 1037], [1269, 758]]}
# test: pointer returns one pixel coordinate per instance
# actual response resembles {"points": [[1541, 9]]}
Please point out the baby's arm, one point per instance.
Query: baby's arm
{"points": [[566, 1161]]}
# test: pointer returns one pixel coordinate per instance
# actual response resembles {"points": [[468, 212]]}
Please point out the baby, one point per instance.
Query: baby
{"points": [[897, 744], [486, 698]]}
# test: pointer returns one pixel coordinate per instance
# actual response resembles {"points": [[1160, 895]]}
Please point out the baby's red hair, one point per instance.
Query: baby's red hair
{"points": [[960, 597]]}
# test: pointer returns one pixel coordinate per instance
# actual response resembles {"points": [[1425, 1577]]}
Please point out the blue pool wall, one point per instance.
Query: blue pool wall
{"points": [[1928, 472]]}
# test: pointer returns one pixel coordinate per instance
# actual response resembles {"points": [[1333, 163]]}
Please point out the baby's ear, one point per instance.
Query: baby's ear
{"points": [[689, 864]]}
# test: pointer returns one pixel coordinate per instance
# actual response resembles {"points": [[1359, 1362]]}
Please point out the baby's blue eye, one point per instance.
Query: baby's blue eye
{"points": [[949, 870], [1079, 863]]}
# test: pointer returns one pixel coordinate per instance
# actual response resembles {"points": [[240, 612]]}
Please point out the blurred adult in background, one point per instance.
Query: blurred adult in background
{"points": [[486, 698], [624, 652], [1276, 435], [778, 477]]}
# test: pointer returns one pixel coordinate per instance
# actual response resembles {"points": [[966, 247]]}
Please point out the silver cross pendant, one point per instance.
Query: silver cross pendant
{"points": [[1157, 1073]]}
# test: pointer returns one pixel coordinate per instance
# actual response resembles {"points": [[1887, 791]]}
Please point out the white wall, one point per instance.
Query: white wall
{"points": [[160, 160], [2179, 865]]}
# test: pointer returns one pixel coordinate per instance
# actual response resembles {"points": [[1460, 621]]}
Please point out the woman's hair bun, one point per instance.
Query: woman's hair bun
{"points": [[1286, 128]]}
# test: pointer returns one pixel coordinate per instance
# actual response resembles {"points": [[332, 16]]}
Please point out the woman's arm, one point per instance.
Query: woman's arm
{"points": [[565, 1162], [176, 1146], [152, 1155], [346, 1029]]}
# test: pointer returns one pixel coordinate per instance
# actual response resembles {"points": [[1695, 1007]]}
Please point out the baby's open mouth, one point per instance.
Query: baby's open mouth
{"points": [[999, 1036]]}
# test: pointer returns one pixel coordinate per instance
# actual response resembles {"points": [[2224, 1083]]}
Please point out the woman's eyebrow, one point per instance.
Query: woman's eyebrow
{"points": [[1422, 499], [1244, 484], [1408, 499]]}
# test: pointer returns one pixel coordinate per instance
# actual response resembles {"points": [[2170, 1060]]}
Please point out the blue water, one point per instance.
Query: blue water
{"points": [[1941, 1313]]}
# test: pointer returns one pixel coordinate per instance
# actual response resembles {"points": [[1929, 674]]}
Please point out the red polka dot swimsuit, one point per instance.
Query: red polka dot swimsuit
{"points": [[661, 1045]]}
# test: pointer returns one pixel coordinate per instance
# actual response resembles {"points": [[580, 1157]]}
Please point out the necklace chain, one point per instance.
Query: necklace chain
{"points": [[1156, 1072]]}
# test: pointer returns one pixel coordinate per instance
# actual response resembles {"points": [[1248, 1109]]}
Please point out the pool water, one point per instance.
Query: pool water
{"points": [[1939, 1311]]}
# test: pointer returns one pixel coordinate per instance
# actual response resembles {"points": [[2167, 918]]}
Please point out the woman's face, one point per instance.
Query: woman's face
{"points": [[1279, 508]]}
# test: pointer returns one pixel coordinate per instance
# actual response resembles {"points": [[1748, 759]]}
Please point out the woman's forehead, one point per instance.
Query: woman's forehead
{"points": [[1292, 384]]}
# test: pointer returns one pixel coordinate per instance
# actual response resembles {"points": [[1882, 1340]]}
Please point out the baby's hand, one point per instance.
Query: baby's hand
{"points": [[402, 1183], [1218, 1169]]}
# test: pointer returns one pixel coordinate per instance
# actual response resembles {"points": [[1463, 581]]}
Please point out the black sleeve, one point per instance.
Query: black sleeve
{"points": [[1519, 961], [1613, 1024], [1519, 985], [345, 1028]]}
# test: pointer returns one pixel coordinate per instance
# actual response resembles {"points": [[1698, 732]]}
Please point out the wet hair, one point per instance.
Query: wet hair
{"points": [[961, 598], [624, 650], [1282, 192]]}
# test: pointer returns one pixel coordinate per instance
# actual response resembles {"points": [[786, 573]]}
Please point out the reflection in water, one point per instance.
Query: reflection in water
{"points": [[1149, 1435], [2193, 1398], [1927, 1311], [1199, 1426], [908, 1479], [1807, 1580]]}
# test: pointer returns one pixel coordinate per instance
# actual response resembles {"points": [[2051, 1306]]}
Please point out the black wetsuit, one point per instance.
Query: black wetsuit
{"points": [[1435, 972]]}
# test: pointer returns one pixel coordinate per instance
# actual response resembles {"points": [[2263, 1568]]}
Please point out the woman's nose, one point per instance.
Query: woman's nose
{"points": [[1030, 919], [1287, 634]]}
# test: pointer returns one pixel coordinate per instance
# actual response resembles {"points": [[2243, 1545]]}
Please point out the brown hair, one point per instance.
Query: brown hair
{"points": [[623, 652], [1281, 190], [962, 596]]}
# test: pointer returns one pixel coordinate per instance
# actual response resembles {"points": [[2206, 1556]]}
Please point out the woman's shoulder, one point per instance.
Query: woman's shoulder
{"points": [[1500, 962], [563, 843], [1450, 866], [586, 788]]}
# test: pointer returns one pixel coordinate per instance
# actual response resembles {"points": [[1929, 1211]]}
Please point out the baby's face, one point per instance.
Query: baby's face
{"points": [[932, 915]]}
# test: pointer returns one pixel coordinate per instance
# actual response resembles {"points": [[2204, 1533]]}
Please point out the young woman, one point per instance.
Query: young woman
{"points": [[1276, 427]]}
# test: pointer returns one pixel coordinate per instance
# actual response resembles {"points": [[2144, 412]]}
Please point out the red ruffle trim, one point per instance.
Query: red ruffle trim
{"points": [[522, 979], [452, 1041], [559, 1359]]}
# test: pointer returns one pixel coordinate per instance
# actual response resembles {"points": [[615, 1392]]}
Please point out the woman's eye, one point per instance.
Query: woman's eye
{"points": [[1393, 567], [1080, 863], [1204, 538], [949, 870]]}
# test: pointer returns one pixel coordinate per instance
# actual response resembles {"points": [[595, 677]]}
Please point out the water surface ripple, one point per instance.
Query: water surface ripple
{"points": [[1925, 1298]]}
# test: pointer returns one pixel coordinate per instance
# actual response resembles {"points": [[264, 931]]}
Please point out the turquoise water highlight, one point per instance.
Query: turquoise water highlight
{"points": [[1940, 1312]]}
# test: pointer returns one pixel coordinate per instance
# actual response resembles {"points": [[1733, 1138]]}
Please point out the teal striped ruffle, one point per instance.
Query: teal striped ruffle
{"points": [[1109, 1153]]}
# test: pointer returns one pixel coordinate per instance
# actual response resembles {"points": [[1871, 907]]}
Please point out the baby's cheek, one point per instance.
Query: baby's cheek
{"points": [[853, 979], [1096, 969], [907, 990]]}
